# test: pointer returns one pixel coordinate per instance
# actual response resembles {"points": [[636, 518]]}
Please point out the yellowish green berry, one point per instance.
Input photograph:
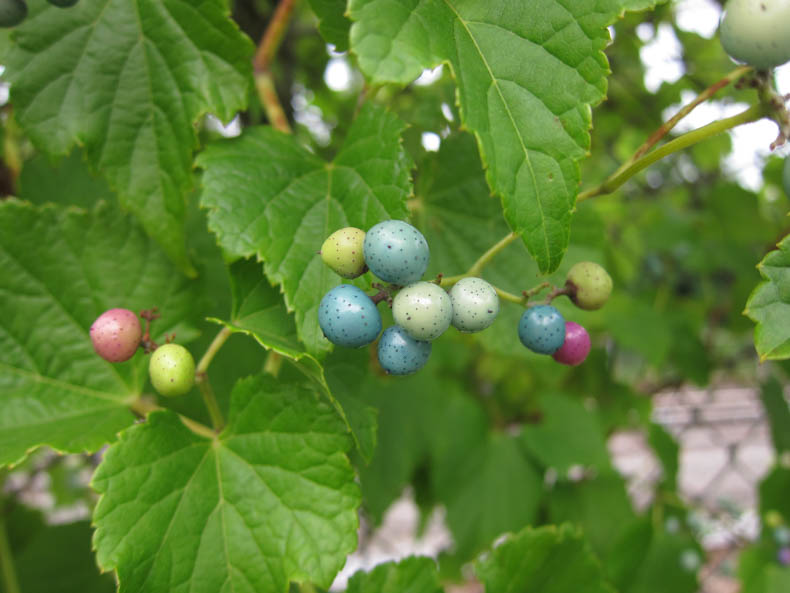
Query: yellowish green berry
{"points": [[589, 285], [342, 252], [172, 370]]}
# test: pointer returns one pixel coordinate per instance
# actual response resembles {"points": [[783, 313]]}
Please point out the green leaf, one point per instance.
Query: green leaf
{"points": [[769, 305], [65, 182], [499, 492], [271, 500], [773, 493], [531, 123], [61, 269], [546, 560], [412, 575], [670, 564], [258, 311], [128, 80], [332, 22], [55, 558], [269, 197], [668, 452], [568, 434], [775, 404]]}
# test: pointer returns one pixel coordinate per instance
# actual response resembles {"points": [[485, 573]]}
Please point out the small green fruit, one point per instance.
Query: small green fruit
{"points": [[589, 285], [12, 12], [342, 251], [756, 32], [172, 370]]}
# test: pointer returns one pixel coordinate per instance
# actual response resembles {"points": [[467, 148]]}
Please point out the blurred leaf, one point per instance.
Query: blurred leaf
{"points": [[411, 575], [769, 305], [776, 407], [128, 81], [545, 560], [332, 23], [667, 450], [773, 493]]}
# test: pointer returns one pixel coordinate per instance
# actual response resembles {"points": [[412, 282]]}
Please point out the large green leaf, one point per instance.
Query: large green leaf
{"points": [[270, 500], [527, 75], [272, 198], [412, 575], [332, 24], [546, 560], [128, 80], [769, 305], [258, 310], [61, 269]]}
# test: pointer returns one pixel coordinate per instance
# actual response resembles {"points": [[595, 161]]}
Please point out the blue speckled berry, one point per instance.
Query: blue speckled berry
{"points": [[542, 329], [396, 252], [348, 317], [400, 354], [475, 304], [423, 309]]}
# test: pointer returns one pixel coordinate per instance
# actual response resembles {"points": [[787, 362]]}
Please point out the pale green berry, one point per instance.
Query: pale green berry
{"points": [[342, 252], [589, 285], [172, 370], [757, 32], [475, 304], [423, 309]]}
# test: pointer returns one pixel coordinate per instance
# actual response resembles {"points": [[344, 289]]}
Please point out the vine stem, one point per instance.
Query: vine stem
{"points": [[10, 581], [267, 48], [144, 406], [624, 173], [482, 261], [202, 380]]}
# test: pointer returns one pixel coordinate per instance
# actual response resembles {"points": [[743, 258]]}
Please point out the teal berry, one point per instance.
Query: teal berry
{"points": [[348, 317], [396, 252], [755, 32], [542, 329], [400, 354], [423, 309], [172, 370], [12, 12], [475, 304]]}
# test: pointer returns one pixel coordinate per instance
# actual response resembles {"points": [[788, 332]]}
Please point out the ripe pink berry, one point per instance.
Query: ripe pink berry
{"points": [[116, 335], [576, 346]]}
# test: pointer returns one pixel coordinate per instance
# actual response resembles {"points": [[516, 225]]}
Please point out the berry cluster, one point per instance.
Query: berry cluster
{"points": [[543, 329], [117, 334], [397, 253], [13, 12]]}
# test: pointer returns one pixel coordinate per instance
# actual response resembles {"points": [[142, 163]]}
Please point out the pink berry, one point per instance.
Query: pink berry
{"points": [[576, 346], [116, 335]]}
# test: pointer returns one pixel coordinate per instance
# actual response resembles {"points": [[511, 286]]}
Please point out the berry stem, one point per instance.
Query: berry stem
{"points": [[625, 173], [217, 343], [203, 383], [10, 581], [142, 406], [509, 296], [273, 364], [557, 291], [482, 261]]}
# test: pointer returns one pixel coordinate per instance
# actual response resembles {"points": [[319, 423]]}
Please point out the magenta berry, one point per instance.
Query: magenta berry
{"points": [[576, 346], [116, 335]]}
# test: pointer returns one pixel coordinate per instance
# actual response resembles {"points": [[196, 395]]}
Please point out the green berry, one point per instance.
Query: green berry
{"points": [[423, 309], [756, 32], [12, 12], [589, 285], [342, 252], [172, 370]]}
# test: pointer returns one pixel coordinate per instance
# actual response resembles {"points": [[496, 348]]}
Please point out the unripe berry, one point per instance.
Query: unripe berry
{"points": [[342, 252], [348, 317], [116, 335], [755, 32], [542, 329], [423, 309], [12, 12], [172, 370], [475, 304], [589, 285], [576, 346], [396, 252], [400, 354]]}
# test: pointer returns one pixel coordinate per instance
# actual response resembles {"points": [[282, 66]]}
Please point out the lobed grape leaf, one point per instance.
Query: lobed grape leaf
{"points": [[258, 311], [411, 575], [270, 500], [269, 197], [527, 75], [332, 22], [128, 80], [545, 560], [60, 271], [769, 305]]}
